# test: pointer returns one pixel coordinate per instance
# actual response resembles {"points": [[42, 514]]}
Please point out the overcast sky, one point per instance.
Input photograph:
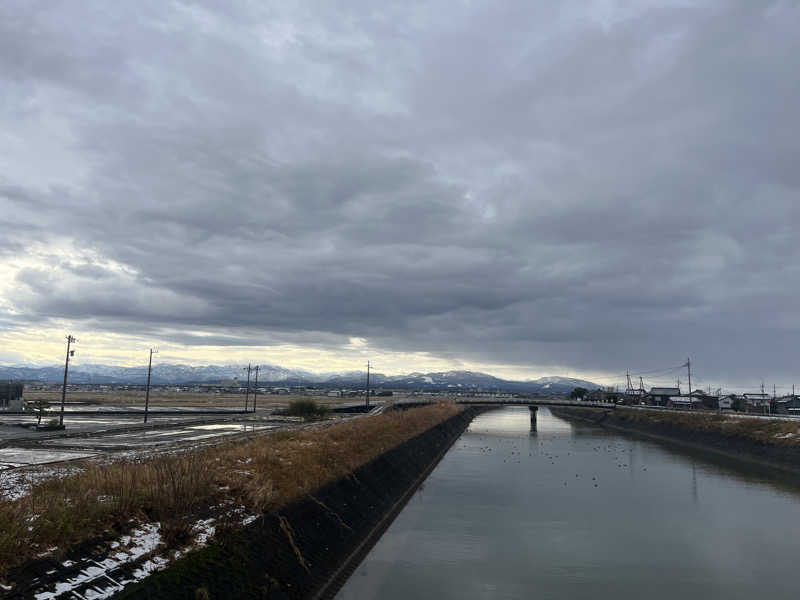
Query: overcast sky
{"points": [[529, 188]]}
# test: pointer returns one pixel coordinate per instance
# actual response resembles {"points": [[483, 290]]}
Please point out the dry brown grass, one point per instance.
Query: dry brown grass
{"points": [[767, 431], [262, 473]]}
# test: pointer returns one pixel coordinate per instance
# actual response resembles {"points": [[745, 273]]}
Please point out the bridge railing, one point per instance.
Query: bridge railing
{"points": [[487, 401]]}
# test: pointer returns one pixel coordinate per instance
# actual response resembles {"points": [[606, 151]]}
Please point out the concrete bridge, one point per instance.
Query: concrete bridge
{"points": [[502, 401], [533, 404]]}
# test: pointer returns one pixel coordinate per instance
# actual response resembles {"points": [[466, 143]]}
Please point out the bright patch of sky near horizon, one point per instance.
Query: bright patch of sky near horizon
{"points": [[523, 188]]}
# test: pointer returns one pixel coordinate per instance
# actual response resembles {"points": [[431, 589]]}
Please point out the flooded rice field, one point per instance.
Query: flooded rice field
{"points": [[159, 437]]}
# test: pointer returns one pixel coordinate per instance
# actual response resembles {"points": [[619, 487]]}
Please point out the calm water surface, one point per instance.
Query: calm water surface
{"points": [[575, 511]]}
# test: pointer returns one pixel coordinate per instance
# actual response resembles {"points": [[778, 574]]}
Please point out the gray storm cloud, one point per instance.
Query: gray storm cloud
{"points": [[596, 185]]}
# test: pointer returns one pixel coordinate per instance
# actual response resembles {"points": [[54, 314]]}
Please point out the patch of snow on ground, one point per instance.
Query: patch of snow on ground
{"points": [[16, 484], [141, 541], [204, 530], [150, 566]]}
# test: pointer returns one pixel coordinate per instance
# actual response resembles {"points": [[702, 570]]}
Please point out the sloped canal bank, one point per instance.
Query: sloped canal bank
{"points": [[307, 548]]}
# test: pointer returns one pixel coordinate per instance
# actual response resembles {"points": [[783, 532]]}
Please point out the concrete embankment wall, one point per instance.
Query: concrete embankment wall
{"points": [[309, 548], [783, 457]]}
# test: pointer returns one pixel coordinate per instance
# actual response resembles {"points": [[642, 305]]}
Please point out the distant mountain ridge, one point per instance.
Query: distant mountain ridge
{"points": [[270, 375]]}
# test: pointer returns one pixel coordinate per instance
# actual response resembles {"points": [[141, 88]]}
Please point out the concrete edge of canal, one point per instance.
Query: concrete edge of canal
{"points": [[309, 548], [781, 458]]}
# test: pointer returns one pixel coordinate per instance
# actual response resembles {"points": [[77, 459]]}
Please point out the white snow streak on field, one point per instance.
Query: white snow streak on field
{"points": [[142, 541]]}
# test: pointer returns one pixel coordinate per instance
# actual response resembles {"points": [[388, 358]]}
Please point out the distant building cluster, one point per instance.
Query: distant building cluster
{"points": [[671, 397]]}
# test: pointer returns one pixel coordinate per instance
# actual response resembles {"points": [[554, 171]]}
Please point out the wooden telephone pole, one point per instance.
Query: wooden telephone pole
{"points": [[147, 391], [367, 396], [70, 340], [255, 390], [247, 392], [689, 373]]}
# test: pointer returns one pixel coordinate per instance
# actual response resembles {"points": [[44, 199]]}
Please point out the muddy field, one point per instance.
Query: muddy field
{"points": [[171, 398]]}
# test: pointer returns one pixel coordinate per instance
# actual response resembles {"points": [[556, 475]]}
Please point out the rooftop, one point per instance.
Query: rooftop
{"points": [[665, 391]]}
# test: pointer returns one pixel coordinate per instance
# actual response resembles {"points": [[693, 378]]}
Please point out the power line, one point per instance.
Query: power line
{"points": [[657, 371]]}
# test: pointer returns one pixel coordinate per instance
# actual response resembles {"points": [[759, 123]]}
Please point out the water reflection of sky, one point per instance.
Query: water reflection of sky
{"points": [[516, 421]]}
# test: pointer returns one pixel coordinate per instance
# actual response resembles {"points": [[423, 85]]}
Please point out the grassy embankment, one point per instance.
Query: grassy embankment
{"points": [[774, 432], [261, 474]]}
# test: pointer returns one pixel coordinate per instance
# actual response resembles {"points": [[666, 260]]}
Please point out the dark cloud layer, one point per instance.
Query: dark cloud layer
{"points": [[590, 185]]}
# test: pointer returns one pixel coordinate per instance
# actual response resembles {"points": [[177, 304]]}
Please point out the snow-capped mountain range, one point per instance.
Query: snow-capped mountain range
{"points": [[275, 375]]}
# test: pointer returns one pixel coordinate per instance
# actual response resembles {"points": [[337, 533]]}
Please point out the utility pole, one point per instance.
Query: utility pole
{"points": [[70, 340], [247, 393], [255, 390], [147, 389], [689, 372], [367, 384]]}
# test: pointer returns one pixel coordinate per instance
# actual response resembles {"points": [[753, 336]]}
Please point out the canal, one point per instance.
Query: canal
{"points": [[568, 510]]}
